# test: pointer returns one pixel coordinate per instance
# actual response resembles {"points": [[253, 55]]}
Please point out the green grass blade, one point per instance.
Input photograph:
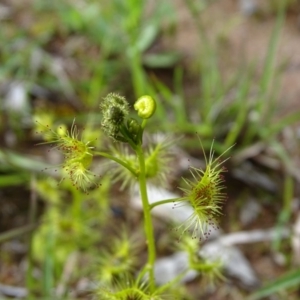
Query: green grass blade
{"points": [[284, 122], [13, 179], [269, 70], [288, 280], [11, 161], [17, 232], [49, 265], [241, 112]]}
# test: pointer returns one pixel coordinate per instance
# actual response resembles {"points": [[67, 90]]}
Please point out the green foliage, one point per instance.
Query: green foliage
{"points": [[205, 193], [80, 51], [288, 281], [67, 227], [121, 30], [240, 108], [158, 157], [211, 270], [121, 258], [127, 289]]}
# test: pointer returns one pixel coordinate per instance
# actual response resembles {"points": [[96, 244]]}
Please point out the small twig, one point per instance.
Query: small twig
{"points": [[67, 273], [254, 236], [13, 233]]}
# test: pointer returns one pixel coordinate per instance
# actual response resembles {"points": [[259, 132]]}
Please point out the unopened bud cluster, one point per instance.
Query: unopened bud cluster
{"points": [[116, 123], [114, 110]]}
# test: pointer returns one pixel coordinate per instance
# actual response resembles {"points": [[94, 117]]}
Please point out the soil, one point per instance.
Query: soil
{"points": [[246, 39]]}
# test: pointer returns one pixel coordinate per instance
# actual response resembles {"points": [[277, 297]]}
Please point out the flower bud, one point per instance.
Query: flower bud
{"points": [[133, 126], [114, 109], [145, 107]]}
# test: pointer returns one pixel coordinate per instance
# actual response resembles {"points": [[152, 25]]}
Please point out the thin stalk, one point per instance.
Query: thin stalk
{"points": [[143, 125], [151, 206], [76, 204], [172, 282], [127, 135], [284, 216], [140, 135], [148, 225], [117, 160], [15, 233]]}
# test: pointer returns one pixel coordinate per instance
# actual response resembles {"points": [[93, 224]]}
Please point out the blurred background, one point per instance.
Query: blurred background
{"points": [[222, 70]]}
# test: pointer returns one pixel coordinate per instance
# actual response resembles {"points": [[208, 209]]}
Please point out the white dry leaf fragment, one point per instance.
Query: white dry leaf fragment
{"points": [[167, 268], [166, 211], [254, 236], [223, 250], [16, 103], [5, 12], [16, 100], [247, 173], [249, 152], [248, 7], [249, 211], [13, 291], [57, 67], [234, 262]]}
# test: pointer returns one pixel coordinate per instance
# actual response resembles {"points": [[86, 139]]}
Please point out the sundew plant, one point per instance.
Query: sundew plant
{"points": [[204, 192]]}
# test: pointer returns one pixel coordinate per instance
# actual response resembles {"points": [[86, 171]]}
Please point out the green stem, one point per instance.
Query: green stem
{"points": [[148, 225], [127, 136], [76, 204], [32, 221], [117, 160], [143, 125], [151, 206], [171, 283]]}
